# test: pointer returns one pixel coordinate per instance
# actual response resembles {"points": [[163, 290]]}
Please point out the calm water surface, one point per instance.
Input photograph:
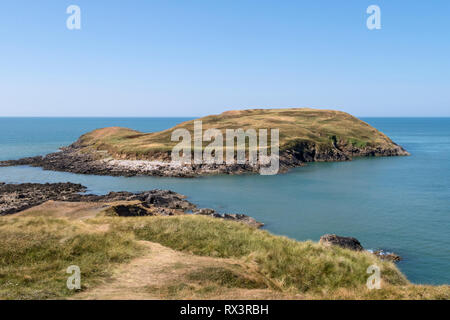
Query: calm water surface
{"points": [[401, 204]]}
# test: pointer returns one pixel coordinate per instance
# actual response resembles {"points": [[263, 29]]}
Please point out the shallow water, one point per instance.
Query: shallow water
{"points": [[400, 204]]}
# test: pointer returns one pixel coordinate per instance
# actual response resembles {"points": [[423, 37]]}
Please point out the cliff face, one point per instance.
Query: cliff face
{"points": [[305, 135], [308, 151]]}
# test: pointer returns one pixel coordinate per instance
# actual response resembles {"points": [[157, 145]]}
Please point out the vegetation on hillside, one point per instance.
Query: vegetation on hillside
{"points": [[322, 128], [36, 251]]}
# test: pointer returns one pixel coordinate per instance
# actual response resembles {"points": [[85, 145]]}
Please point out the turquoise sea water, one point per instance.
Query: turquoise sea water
{"points": [[400, 204]]}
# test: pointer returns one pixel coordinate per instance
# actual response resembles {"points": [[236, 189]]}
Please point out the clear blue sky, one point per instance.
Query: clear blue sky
{"points": [[193, 58]]}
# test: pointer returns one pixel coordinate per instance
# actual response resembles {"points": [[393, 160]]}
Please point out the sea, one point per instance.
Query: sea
{"points": [[398, 204]]}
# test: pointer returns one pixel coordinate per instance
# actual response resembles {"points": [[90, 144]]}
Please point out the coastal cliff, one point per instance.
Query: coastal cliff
{"points": [[305, 135]]}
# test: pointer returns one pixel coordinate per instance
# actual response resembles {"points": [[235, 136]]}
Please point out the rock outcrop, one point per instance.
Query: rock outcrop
{"points": [[389, 256], [343, 242], [18, 197], [354, 244], [230, 216]]}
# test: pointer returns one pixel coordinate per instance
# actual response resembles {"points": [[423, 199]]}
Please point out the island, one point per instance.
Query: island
{"points": [[305, 135]]}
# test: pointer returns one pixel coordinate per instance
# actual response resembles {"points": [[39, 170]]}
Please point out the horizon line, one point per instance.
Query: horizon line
{"points": [[183, 116]]}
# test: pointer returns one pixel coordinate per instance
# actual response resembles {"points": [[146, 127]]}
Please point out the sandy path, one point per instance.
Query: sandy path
{"points": [[148, 277]]}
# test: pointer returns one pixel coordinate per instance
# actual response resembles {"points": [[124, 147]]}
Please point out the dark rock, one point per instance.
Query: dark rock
{"points": [[165, 198], [354, 244], [244, 219], [343, 242], [389, 256], [130, 211], [205, 211], [19, 197], [231, 216]]}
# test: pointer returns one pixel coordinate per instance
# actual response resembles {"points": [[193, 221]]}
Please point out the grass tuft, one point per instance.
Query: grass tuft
{"points": [[225, 278]]}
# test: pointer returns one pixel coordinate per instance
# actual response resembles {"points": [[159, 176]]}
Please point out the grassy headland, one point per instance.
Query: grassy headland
{"points": [[181, 257]]}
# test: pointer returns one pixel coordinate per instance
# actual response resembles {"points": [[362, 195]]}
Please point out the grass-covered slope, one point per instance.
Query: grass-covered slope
{"points": [[182, 257], [320, 133]]}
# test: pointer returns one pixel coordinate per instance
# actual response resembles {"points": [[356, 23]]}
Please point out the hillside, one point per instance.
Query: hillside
{"points": [[323, 129], [182, 257]]}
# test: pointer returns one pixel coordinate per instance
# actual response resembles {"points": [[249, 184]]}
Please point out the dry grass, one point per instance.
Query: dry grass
{"points": [[163, 273], [289, 264], [387, 292], [36, 251], [71, 210], [296, 125], [182, 257]]}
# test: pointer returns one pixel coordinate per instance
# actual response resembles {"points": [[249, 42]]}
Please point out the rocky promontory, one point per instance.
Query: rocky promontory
{"points": [[18, 197]]}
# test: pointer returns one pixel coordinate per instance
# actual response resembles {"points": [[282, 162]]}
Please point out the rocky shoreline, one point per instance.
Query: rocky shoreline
{"points": [[76, 160], [15, 198], [354, 244], [71, 159], [18, 197]]}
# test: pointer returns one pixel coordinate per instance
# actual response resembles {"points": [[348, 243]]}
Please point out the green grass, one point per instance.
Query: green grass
{"points": [[224, 277], [357, 143]]}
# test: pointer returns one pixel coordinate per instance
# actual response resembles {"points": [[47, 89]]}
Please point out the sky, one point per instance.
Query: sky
{"points": [[145, 58]]}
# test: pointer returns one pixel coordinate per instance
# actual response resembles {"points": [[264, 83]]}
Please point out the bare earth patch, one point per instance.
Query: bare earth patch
{"points": [[63, 209]]}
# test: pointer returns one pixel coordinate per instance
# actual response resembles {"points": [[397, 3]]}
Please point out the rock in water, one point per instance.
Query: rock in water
{"points": [[230, 216], [244, 219], [343, 242], [354, 244], [389, 256]]}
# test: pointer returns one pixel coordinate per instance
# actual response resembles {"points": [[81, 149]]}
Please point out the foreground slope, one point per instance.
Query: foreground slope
{"points": [[180, 257]]}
